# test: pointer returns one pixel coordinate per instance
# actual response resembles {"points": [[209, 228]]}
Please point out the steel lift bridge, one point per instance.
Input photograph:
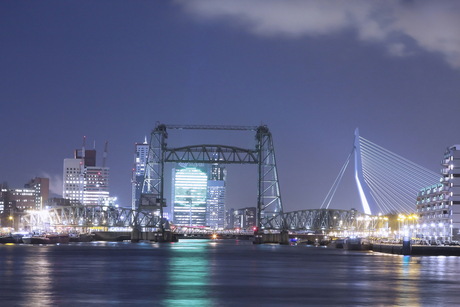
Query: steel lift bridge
{"points": [[269, 205]]}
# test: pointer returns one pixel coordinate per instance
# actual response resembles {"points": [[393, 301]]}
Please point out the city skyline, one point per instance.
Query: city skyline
{"points": [[304, 69]]}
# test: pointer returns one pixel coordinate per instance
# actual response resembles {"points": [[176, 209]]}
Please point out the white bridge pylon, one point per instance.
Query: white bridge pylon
{"points": [[387, 183]]}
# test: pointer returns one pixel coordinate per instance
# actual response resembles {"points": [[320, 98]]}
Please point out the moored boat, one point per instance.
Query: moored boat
{"points": [[39, 240], [81, 237], [15, 237], [337, 243], [27, 239], [46, 239], [357, 244], [7, 239]]}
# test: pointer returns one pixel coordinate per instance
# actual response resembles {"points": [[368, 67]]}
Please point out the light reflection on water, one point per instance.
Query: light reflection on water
{"points": [[188, 275], [220, 273], [38, 279]]}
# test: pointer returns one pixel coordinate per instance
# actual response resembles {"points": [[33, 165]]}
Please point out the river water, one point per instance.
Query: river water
{"points": [[220, 273]]}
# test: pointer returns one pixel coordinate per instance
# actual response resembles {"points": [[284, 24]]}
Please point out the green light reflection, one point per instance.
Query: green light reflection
{"points": [[188, 275]]}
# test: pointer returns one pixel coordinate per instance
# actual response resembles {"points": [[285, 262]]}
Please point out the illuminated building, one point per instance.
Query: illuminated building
{"points": [[140, 161], [83, 181], [41, 191], [31, 197], [244, 218], [13, 200], [189, 192], [73, 180], [438, 206], [96, 185], [215, 209]]}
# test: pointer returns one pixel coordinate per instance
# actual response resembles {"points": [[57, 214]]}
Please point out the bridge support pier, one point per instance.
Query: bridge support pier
{"points": [[284, 237], [166, 236], [135, 235], [281, 237], [406, 247]]}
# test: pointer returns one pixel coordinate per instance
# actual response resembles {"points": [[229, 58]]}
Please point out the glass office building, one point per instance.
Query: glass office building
{"points": [[189, 193]]}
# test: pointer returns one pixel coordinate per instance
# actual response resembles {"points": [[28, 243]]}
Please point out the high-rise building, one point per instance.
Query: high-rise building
{"points": [[438, 206], [41, 188], [74, 180], [30, 198], [189, 192], [141, 152], [244, 218], [215, 210], [96, 185], [17, 200], [84, 182]]}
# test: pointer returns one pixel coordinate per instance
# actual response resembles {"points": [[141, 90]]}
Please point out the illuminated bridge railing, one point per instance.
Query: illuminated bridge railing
{"points": [[90, 216], [325, 221], [331, 220]]}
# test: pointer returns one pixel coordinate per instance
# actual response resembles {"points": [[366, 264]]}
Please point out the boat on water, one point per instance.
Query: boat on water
{"points": [[46, 239], [337, 243], [81, 237], [356, 244], [15, 237], [59, 238]]}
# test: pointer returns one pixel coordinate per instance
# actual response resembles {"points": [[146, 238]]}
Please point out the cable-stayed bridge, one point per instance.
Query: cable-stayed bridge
{"points": [[387, 184]]}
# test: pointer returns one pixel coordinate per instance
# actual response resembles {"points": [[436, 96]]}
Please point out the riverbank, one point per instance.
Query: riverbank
{"points": [[417, 250]]}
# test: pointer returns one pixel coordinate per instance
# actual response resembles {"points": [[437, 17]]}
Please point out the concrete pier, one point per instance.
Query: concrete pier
{"points": [[280, 238], [417, 250]]}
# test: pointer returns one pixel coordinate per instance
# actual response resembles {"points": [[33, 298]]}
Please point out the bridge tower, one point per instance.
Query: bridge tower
{"points": [[152, 193], [363, 189], [269, 205]]}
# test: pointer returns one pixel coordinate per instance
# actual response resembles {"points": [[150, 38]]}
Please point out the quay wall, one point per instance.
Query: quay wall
{"points": [[418, 250]]}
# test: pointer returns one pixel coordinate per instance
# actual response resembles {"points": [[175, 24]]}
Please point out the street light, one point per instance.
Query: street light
{"points": [[11, 218]]}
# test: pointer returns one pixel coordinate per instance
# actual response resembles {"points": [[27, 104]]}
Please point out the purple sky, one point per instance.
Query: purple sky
{"points": [[312, 71]]}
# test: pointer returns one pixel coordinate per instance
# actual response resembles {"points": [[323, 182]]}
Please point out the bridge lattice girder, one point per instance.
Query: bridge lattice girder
{"points": [[90, 216], [330, 220], [269, 205], [211, 154]]}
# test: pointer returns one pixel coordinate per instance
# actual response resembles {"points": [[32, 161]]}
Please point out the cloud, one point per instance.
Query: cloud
{"points": [[402, 27]]}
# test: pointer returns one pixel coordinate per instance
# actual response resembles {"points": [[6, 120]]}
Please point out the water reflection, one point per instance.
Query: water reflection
{"points": [[220, 273], [407, 282], [37, 278], [187, 278]]}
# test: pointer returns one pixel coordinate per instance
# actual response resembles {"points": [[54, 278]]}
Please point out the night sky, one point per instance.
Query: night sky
{"points": [[312, 71]]}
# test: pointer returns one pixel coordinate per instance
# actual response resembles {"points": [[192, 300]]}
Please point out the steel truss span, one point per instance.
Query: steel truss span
{"points": [[269, 206], [90, 216], [215, 153], [331, 220], [313, 220]]}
